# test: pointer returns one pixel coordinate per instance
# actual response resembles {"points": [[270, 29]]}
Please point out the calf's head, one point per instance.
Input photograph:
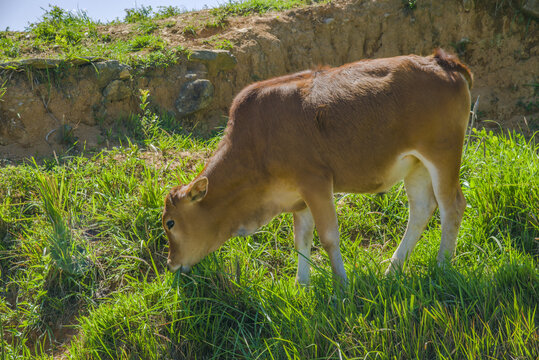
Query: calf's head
{"points": [[188, 225]]}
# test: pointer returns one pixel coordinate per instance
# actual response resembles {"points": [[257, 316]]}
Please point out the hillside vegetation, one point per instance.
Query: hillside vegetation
{"points": [[136, 40], [148, 36], [83, 253], [81, 78]]}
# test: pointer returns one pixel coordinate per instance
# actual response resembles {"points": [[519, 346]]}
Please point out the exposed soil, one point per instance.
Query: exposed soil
{"points": [[501, 50]]}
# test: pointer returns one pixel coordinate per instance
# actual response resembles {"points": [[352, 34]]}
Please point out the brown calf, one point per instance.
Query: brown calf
{"points": [[292, 141]]}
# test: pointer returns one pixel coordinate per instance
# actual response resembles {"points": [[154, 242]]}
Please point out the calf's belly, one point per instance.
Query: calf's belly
{"points": [[285, 198], [376, 179]]}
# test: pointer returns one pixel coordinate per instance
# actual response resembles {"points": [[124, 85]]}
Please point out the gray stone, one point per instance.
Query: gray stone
{"points": [[13, 129], [33, 63], [38, 63], [468, 5], [83, 60], [194, 96], [191, 75], [216, 60], [531, 7], [116, 90], [111, 70], [124, 74]]}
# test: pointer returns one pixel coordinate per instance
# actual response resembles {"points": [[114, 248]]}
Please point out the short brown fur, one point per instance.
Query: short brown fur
{"points": [[292, 141]]}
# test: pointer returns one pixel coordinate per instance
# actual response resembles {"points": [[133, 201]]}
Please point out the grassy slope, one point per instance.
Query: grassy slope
{"points": [[82, 251], [82, 246], [139, 41]]}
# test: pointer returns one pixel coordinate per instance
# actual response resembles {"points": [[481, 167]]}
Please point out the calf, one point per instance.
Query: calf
{"points": [[293, 141]]}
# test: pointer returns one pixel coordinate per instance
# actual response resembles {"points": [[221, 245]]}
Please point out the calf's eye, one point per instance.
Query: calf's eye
{"points": [[170, 224]]}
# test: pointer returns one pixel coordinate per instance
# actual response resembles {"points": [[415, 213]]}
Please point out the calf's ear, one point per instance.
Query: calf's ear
{"points": [[198, 189]]}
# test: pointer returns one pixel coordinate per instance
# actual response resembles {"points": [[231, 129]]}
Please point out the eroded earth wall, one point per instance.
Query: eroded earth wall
{"points": [[45, 100]]}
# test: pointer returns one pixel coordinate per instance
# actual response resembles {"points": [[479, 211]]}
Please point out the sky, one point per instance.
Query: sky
{"points": [[16, 14]]}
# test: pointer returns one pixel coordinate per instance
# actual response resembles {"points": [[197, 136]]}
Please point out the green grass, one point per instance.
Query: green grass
{"points": [[82, 248], [138, 14], [59, 26], [248, 7], [217, 43], [65, 34], [146, 42]]}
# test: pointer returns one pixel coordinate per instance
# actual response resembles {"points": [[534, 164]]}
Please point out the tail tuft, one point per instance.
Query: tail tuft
{"points": [[452, 63]]}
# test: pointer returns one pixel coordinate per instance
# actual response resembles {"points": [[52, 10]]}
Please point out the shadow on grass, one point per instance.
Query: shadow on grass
{"points": [[439, 313]]}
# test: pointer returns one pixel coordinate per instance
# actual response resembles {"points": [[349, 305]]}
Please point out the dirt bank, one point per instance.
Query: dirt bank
{"points": [[43, 109]]}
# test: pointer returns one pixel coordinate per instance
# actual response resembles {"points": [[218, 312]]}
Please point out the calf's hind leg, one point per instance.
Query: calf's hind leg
{"points": [[448, 193], [422, 203], [452, 206]]}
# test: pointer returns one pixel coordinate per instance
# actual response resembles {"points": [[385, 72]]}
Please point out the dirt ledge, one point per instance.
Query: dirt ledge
{"points": [[40, 105]]}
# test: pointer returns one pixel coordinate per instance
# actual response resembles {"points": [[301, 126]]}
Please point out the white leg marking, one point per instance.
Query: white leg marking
{"points": [[303, 238], [421, 206], [330, 241], [319, 199], [451, 202], [451, 215]]}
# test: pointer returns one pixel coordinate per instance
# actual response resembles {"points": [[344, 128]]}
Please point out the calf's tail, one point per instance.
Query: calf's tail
{"points": [[452, 63]]}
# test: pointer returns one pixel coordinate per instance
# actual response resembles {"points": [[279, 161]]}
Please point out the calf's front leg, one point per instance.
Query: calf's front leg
{"points": [[319, 200], [303, 239]]}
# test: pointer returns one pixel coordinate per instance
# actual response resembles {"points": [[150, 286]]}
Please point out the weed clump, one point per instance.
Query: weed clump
{"points": [[149, 42], [244, 8], [149, 121], [9, 47], [138, 14], [62, 27], [168, 11]]}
